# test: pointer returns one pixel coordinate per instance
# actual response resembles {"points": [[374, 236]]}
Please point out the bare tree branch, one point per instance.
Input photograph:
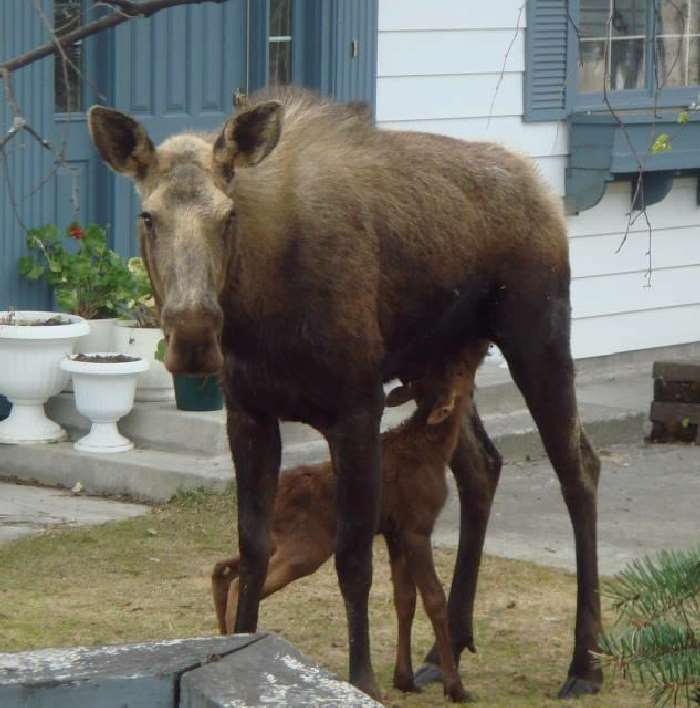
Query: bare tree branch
{"points": [[124, 11]]}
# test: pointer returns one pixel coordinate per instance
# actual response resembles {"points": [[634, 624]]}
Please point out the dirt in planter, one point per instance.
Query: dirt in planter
{"points": [[50, 322], [99, 359]]}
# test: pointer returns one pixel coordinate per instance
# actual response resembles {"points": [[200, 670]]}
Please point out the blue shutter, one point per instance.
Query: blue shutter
{"points": [[548, 56], [25, 194]]}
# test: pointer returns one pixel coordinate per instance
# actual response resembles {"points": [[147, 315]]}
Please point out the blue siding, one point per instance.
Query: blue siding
{"points": [[26, 163], [177, 70]]}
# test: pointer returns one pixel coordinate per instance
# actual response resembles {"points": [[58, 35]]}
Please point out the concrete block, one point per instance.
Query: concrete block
{"points": [[144, 675], [271, 672]]}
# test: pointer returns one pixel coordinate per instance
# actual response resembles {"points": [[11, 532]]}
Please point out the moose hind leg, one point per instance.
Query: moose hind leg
{"points": [[540, 362], [476, 465]]}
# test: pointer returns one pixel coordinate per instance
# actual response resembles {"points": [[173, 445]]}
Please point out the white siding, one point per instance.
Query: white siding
{"points": [[439, 70]]}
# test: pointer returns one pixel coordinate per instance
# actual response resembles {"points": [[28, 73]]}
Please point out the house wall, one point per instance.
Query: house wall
{"points": [[440, 69]]}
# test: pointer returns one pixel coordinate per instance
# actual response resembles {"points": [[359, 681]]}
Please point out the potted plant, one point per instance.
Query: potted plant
{"points": [[138, 335], [32, 344], [104, 385], [194, 393], [88, 279]]}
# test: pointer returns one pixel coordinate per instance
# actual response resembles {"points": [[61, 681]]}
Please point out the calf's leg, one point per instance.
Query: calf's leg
{"points": [[405, 607], [256, 448], [476, 465], [284, 567], [221, 578], [356, 453], [420, 562]]}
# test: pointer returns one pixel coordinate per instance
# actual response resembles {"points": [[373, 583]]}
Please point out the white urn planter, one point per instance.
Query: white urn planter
{"points": [[30, 355], [104, 393], [100, 338], [156, 384]]}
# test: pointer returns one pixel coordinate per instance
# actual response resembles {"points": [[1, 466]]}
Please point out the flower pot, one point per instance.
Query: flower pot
{"points": [[100, 338], [104, 393], [30, 373], [156, 384], [5, 407], [198, 393]]}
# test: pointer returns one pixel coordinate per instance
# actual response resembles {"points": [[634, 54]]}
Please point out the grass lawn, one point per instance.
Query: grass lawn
{"points": [[148, 578]]}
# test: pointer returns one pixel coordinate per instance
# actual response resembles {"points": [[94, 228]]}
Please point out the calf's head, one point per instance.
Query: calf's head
{"points": [[188, 224]]}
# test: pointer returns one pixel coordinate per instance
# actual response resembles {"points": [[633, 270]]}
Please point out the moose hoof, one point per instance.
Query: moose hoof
{"points": [[575, 687], [457, 694], [428, 673]]}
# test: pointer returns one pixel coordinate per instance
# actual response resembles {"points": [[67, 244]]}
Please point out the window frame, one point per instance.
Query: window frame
{"points": [[675, 97]]}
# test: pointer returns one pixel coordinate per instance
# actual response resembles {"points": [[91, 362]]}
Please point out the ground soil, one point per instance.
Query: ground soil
{"points": [[97, 359], [50, 322], [148, 578]]}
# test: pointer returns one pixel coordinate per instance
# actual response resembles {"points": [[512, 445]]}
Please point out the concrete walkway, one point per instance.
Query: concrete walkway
{"points": [[26, 510], [649, 501]]}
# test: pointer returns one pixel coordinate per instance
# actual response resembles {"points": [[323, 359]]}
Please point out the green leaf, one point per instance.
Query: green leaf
{"points": [[683, 117], [159, 353], [662, 143]]}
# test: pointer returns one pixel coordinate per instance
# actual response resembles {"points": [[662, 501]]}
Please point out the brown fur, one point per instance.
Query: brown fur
{"points": [[414, 457], [314, 262]]}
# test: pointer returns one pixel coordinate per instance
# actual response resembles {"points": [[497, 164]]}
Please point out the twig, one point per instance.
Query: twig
{"points": [[505, 62], [127, 10]]}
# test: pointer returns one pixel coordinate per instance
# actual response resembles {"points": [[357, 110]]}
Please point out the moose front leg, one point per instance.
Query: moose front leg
{"points": [[256, 448], [356, 452]]}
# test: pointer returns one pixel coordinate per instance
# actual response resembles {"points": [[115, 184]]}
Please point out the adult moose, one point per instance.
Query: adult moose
{"points": [[312, 257]]}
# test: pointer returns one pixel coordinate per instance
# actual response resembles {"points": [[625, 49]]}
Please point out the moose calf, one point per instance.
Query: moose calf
{"points": [[415, 455]]}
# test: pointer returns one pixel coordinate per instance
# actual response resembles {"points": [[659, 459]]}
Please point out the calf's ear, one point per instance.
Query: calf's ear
{"points": [[249, 137], [399, 395], [122, 142]]}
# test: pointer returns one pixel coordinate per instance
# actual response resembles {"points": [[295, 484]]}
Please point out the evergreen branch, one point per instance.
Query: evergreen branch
{"points": [[649, 590]]}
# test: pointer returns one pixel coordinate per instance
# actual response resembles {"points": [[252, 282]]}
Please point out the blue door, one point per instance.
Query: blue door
{"points": [[177, 70]]}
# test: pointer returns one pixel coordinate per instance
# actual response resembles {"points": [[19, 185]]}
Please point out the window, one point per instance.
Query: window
{"points": [[639, 53], [280, 42], [612, 38], [68, 88]]}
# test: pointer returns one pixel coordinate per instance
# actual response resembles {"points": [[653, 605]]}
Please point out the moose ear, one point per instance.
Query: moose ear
{"points": [[399, 395], [249, 137], [121, 141]]}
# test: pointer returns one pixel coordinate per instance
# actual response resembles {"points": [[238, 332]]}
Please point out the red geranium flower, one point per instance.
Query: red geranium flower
{"points": [[74, 231]]}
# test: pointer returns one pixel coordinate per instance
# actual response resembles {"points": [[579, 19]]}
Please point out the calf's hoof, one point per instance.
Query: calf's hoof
{"points": [[575, 687], [428, 673], [406, 684]]}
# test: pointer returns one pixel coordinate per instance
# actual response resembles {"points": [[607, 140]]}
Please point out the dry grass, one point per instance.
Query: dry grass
{"points": [[148, 578]]}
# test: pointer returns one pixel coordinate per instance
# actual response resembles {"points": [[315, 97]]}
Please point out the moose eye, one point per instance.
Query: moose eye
{"points": [[146, 219]]}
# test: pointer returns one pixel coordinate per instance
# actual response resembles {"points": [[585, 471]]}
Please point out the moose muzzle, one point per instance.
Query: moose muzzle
{"points": [[194, 340]]}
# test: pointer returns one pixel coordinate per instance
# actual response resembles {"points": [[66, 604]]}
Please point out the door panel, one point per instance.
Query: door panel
{"points": [[175, 71]]}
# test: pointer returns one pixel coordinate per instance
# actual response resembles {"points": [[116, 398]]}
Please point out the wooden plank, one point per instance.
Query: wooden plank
{"points": [[677, 370], [534, 139], [684, 413], [610, 334], [670, 391], [396, 15], [628, 292], [598, 255], [453, 52], [421, 97]]}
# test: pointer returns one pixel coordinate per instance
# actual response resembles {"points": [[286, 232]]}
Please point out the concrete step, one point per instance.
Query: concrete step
{"points": [[161, 426]]}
